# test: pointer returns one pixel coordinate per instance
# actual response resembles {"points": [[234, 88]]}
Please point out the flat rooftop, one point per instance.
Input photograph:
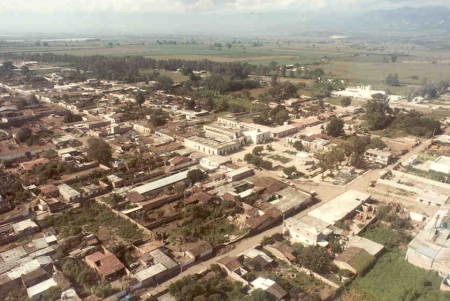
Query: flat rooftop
{"points": [[217, 159], [339, 207], [211, 142], [369, 246], [433, 197], [308, 223], [291, 198], [41, 287], [378, 152], [149, 187], [239, 171], [432, 241], [68, 191], [444, 160]]}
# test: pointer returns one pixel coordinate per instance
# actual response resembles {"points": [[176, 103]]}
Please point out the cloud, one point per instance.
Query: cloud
{"points": [[176, 6]]}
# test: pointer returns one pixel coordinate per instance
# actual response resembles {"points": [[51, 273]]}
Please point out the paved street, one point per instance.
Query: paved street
{"points": [[325, 191]]}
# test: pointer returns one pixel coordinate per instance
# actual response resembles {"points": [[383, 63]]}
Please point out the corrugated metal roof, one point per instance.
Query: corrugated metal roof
{"points": [[143, 189]]}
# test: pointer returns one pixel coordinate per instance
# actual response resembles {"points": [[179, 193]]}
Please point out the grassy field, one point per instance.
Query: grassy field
{"points": [[393, 278], [356, 66]]}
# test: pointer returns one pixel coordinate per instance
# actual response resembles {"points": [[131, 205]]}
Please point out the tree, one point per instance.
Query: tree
{"points": [[190, 104], [25, 70], [392, 80], [273, 65], [394, 57], [164, 82], [257, 150], [335, 127], [314, 258], [260, 295], [52, 294], [376, 142], [346, 101], [290, 171], [99, 150], [330, 160], [196, 175], [298, 145], [140, 98], [70, 117], [23, 134], [273, 80], [279, 114], [378, 112], [45, 44], [267, 165], [354, 148]]}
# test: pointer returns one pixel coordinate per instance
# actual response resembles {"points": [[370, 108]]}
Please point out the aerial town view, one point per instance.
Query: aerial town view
{"points": [[224, 150]]}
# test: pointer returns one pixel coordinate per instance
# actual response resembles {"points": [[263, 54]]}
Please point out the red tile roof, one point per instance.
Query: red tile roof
{"points": [[106, 264]]}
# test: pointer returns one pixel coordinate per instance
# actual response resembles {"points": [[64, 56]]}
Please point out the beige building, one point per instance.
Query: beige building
{"points": [[257, 136], [308, 230], [378, 156], [219, 132], [210, 146]]}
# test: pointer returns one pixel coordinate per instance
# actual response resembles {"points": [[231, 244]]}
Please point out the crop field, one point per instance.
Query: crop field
{"points": [[376, 72], [352, 64]]}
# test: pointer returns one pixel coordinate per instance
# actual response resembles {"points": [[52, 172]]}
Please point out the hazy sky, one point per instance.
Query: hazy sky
{"points": [[166, 16]]}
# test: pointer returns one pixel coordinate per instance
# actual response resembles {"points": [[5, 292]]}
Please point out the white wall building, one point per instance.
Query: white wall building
{"points": [[214, 162], [210, 146], [257, 136], [441, 164], [363, 92]]}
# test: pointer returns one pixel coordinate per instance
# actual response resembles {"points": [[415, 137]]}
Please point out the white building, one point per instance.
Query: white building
{"points": [[308, 230], [340, 207], [430, 249], [270, 287], [156, 186], [441, 164], [363, 92], [210, 146], [257, 136], [214, 162], [432, 198], [378, 156], [39, 289], [68, 193]]}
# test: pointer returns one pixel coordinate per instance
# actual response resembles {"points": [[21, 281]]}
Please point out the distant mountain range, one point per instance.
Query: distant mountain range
{"points": [[406, 19], [392, 23]]}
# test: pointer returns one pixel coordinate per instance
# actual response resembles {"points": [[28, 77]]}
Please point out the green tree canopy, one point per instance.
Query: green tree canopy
{"points": [[99, 150], [335, 127], [378, 113], [392, 80], [257, 150], [23, 134], [140, 98], [346, 101], [196, 175], [298, 145]]}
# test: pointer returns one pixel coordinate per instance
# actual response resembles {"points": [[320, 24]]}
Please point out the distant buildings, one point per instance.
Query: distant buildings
{"points": [[363, 92]]}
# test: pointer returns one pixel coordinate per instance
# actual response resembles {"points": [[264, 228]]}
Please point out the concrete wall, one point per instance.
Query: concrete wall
{"points": [[414, 178]]}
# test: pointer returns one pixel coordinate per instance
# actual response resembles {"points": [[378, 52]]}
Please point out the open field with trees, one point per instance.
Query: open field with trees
{"points": [[353, 64]]}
